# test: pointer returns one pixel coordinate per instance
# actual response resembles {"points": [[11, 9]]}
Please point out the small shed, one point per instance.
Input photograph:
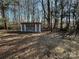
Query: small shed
{"points": [[31, 27]]}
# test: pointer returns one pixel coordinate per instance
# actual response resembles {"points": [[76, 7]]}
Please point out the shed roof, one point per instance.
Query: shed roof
{"points": [[30, 22]]}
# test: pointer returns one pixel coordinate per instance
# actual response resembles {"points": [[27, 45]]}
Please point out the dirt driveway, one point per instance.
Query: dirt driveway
{"points": [[37, 46]]}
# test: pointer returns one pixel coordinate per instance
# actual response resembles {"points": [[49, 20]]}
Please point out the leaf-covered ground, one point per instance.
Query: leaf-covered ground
{"points": [[38, 46]]}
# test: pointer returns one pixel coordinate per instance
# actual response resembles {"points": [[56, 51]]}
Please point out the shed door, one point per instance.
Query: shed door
{"points": [[22, 27]]}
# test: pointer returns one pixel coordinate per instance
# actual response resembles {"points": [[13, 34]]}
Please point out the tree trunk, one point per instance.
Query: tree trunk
{"points": [[48, 16], [55, 24], [56, 21], [4, 18], [61, 24]]}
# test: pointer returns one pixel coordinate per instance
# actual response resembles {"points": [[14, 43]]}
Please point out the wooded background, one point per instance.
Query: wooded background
{"points": [[63, 14]]}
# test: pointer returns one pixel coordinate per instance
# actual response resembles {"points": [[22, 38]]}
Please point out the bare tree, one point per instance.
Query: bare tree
{"points": [[3, 6]]}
